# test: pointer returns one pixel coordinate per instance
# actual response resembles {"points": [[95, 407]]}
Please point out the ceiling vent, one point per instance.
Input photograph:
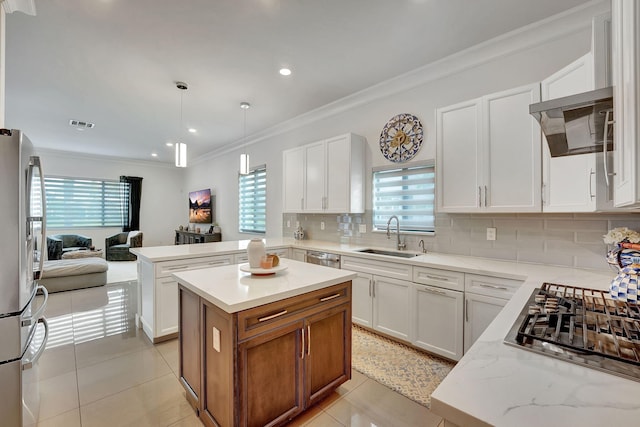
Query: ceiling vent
{"points": [[81, 125]]}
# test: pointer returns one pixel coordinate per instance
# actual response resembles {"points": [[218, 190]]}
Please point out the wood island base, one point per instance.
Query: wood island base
{"points": [[265, 365]]}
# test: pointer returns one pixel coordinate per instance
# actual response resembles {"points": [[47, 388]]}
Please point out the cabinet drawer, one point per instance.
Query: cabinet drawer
{"points": [[255, 321], [386, 269], [491, 286], [166, 268], [441, 278]]}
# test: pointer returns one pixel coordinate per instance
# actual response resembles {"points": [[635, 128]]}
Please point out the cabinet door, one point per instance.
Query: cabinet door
{"points": [[361, 304], [315, 172], [293, 180], [391, 307], [166, 307], [328, 353], [625, 16], [189, 346], [511, 140], [459, 163], [569, 182], [338, 195], [270, 376], [480, 310], [300, 255], [438, 320]]}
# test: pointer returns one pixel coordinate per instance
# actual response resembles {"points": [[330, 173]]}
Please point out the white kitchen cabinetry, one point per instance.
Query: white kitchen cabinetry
{"points": [[437, 303], [243, 257], [325, 176], [159, 293], [488, 154], [484, 298], [380, 296], [626, 98], [574, 183], [299, 255]]}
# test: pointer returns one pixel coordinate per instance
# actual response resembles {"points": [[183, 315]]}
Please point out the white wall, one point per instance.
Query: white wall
{"points": [[163, 205], [512, 61]]}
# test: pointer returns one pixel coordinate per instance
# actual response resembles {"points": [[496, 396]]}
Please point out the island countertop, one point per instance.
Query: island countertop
{"points": [[233, 290]]}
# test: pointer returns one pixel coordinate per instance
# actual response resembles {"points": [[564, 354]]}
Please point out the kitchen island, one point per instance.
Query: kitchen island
{"points": [[260, 350]]}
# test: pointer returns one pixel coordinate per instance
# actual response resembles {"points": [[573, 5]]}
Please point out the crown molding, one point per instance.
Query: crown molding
{"points": [[553, 28], [25, 6], [102, 158]]}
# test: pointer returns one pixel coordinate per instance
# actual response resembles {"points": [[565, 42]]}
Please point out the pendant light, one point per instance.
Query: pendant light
{"points": [[181, 147], [244, 157]]}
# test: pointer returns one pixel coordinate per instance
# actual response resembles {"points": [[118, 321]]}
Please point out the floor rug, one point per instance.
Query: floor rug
{"points": [[410, 372]]}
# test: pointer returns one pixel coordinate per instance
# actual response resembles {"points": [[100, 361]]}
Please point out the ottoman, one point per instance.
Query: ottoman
{"points": [[68, 274]]}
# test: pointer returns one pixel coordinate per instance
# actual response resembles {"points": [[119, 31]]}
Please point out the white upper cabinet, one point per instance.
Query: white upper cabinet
{"points": [[626, 98], [325, 176], [488, 154], [577, 183]]}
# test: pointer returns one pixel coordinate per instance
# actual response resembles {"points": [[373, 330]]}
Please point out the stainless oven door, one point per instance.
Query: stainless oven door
{"points": [[323, 258]]}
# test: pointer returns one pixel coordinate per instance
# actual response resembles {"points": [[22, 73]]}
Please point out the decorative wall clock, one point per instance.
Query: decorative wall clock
{"points": [[401, 138]]}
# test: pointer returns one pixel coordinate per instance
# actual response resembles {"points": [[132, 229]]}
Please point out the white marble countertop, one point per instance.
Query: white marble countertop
{"points": [[493, 384], [496, 384], [233, 290]]}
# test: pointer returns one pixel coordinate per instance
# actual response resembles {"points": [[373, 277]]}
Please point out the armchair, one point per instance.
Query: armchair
{"points": [[117, 246], [58, 244]]}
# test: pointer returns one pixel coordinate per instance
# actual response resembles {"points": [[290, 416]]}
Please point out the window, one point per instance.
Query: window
{"points": [[74, 202], [252, 206], [408, 193]]}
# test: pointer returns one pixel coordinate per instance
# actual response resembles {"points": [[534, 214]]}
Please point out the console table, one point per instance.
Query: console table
{"points": [[184, 237]]}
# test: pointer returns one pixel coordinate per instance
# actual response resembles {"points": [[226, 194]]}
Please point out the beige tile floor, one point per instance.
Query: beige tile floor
{"points": [[99, 370]]}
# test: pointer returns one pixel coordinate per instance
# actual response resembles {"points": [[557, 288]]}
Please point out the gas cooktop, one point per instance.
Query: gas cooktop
{"points": [[582, 326]]}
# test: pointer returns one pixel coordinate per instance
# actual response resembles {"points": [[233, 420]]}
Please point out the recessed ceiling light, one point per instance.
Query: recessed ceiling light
{"points": [[285, 71], [169, 144], [154, 154], [192, 130]]}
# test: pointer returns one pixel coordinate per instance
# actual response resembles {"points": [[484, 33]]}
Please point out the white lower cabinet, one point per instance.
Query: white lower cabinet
{"points": [[438, 320], [485, 296], [437, 304], [381, 302], [391, 306], [299, 255]]}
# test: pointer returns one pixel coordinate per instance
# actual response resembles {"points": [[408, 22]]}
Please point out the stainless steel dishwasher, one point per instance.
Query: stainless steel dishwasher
{"points": [[323, 258]]}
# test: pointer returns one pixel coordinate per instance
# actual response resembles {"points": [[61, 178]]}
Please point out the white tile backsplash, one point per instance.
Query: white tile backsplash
{"points": [[571, 240]]}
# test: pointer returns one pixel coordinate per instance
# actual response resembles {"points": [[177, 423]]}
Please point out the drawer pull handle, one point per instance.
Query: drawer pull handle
{"points": [[308, 340], [273, 316], [330, 297], [180, 267], [302, 345], [435, 291], [485, 285], [217, 263], [446, 279]]}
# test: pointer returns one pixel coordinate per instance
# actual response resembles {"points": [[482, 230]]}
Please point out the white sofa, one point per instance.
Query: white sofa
{"points": [[68, 274]]}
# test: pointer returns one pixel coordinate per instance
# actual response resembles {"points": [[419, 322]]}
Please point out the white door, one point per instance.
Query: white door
{"points": [[459, 162], [391, 307], [569, 182], [480, 310], [512, 140], [315, 171], [293, 180], [438, 318], [361, 304], [338, 196]]}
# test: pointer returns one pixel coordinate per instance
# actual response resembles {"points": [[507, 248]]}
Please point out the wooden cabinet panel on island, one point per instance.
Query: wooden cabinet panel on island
{"points": [[266, 364]]}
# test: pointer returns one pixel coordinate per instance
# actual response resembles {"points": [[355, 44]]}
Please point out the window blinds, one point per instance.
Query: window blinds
{"points": [[252, 209]]}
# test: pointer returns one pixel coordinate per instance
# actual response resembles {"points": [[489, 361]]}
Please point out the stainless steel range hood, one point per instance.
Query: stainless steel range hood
{"points": [[577, 124]]}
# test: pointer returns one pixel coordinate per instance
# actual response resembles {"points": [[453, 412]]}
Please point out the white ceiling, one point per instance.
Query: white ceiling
{"points": [[114, 63]]}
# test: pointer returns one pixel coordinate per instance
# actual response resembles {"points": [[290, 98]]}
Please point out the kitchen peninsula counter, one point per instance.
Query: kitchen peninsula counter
{"points": [[260, 350]]}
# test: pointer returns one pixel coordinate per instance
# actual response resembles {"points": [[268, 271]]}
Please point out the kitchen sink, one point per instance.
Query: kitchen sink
{"points": [[389, 253]]}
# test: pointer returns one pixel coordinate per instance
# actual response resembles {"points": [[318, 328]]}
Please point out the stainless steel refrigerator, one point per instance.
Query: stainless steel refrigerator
{"points": [[23, 328]]}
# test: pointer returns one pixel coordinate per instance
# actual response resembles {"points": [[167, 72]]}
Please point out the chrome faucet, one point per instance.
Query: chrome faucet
{"points": [[421, 245], [401, 245]]}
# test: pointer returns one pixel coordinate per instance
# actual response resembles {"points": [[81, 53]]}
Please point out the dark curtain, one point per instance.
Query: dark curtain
{"points": [[133, 195]]}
